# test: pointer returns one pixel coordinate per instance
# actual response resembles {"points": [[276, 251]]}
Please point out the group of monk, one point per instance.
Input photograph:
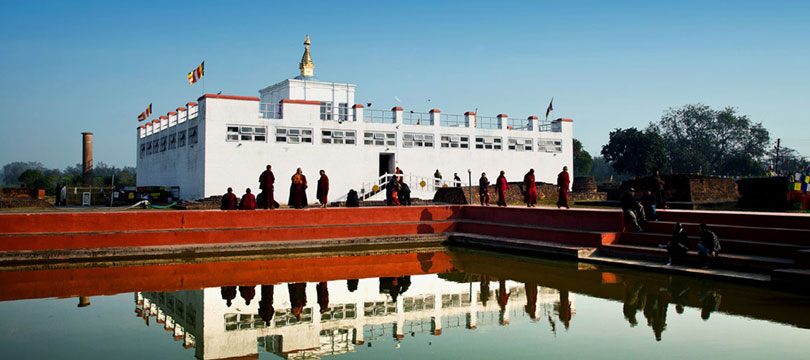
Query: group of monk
{"points": [[266, 200], [530, 193]]}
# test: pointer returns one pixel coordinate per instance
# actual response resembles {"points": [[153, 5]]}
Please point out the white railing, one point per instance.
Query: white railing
{"points": [[487, 122], [519, 124], [415, 182], [452, 120], [378, 116], [416, 118], [270, 110]]}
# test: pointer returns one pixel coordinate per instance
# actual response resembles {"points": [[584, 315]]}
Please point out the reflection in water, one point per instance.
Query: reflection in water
{"points": [[266, 310]]}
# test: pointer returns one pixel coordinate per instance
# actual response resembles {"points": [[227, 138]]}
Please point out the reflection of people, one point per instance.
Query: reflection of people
{"points": [[709, 245], [502, 295], [298, 298], [632, 302], [394, 286], [530, 198], [247, 293], [483, 189], [563, 180], [351, 284], [484, 289], [709, 303], [322, 290], [679, 292], [564, 309], [531, 300], [655, 310], [266, 310], [228, 294]]}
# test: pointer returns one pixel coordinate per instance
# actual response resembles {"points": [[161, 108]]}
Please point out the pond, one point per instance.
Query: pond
{"points": [[417, 303]]}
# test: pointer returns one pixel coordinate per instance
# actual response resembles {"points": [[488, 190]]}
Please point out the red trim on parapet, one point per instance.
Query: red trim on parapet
{"points": [[303, 102], [502, 115], [469, 113], [357, 106], [142, 127], [181, 109], [396, 108], [172, 113], [163, 117], [434, 111], [532, 117], [191, 104], [565, 120], [156, 121], [228, 97]]}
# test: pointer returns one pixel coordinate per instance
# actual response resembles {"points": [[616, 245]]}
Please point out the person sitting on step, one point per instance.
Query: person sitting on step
{"points": [[708, 247]]}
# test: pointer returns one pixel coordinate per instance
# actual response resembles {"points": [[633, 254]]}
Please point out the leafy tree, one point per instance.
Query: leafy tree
{"points": [[699, 138], [35, 179], [789, 161], [635, 152], [582, 160], [13, 170]]}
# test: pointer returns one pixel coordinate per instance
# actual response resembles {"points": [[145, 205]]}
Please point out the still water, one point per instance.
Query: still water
{"points": [[424, 303]]}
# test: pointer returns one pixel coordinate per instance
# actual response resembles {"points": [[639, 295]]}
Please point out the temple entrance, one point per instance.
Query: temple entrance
{"points": [[386, 164]]}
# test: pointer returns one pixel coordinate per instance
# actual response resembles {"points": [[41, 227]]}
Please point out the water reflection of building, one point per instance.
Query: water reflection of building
{"points": [[337, 316]]}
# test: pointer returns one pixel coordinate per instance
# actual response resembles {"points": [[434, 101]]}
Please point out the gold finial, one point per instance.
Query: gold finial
{"points": [[306, 66]]}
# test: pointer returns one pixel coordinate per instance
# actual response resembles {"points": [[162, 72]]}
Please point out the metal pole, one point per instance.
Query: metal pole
{"points": [[112, 183], [469, 175], [776, 161]]}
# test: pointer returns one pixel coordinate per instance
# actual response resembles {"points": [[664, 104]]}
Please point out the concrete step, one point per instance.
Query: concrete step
{"points": [[582, 219], [734, 246], [797, 280], [521, 245], [738, 218], [559, 235], [740, 232], [724, 261]]}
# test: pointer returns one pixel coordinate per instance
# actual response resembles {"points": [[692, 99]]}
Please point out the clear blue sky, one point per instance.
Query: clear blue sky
{"points": [[68, 67]]}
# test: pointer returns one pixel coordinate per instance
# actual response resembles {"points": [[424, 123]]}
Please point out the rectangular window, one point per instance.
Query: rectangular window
{"points": [[192, 135], [455, 141], [380, 138], [143, 150], [520, 144], [343, 111], [192, 112], [149, 148], [347, 137], [233, 133], [172, 141], [163, 143], [155, 146], [326, 110], [549, 145], [260, 134], [488, 142], [417, 140], [181, 139], [294, 135]]}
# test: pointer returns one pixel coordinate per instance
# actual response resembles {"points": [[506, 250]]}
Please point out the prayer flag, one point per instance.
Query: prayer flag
{"points": [[550, 108], [146, 113], [196, 74]]}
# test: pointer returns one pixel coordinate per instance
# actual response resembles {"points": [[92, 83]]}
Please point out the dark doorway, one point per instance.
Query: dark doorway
{"points": [[386, 164]]}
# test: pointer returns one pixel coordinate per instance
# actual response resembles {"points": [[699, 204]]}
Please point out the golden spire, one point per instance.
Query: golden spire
{"points": [[306, 66]]}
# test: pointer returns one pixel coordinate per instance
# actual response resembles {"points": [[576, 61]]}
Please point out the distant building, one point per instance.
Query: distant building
{"points": [[224, 141]]}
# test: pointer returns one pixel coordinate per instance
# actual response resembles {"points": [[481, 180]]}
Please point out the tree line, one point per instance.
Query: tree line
{"points": [[691, 139], [35, 175]]}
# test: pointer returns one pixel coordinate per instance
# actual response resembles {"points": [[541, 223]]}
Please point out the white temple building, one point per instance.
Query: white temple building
{"points": [[223, 141]]}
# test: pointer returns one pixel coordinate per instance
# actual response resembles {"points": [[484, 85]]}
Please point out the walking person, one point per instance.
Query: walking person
{"points": [[502, 185], [530, 198], [298, 190], [229, 201], [563, 180], [323, 189], [708, 247], [404, 193], [266, 184], [248, 201], [483, 189]]}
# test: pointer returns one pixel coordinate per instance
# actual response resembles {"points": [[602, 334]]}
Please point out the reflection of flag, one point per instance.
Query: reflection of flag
{"points": [[146, 113], [550, 108], [196, 74]]}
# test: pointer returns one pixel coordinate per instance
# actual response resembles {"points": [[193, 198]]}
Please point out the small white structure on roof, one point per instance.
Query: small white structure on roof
{"points": [[224, 141]]}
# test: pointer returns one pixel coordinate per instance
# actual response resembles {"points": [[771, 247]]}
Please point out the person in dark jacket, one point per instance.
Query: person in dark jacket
{"points": [[404, 192], [229, 201], [678, 245], [483, 189], [709, 245], [648, 201], [633, 209]]}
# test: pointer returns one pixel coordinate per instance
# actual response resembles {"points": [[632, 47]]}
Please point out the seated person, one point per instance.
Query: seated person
{"points": [[678, 245], [633, 209], [648, 201], [709, 245]]}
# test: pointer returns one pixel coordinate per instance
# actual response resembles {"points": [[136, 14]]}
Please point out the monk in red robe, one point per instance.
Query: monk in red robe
{"points": [[266, 181], [323, 189], [323, 296], [229, 201], [531, 189], [562, 183], [298, 298], [248, 201], [298, 190], [502, 186]]}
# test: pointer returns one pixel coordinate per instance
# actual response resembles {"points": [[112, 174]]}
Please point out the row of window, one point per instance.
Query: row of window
{"points": [[169, 142], [383, 138], [327, 112]]}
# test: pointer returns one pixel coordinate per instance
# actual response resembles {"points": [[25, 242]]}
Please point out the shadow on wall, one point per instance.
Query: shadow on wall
{"points": [[426, 215]]}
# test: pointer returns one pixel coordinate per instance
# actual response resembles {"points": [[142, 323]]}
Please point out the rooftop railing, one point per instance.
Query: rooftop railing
{"points": [[452, 120], [519, 124], [487, 122], [416, 118], [379, 116]]}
